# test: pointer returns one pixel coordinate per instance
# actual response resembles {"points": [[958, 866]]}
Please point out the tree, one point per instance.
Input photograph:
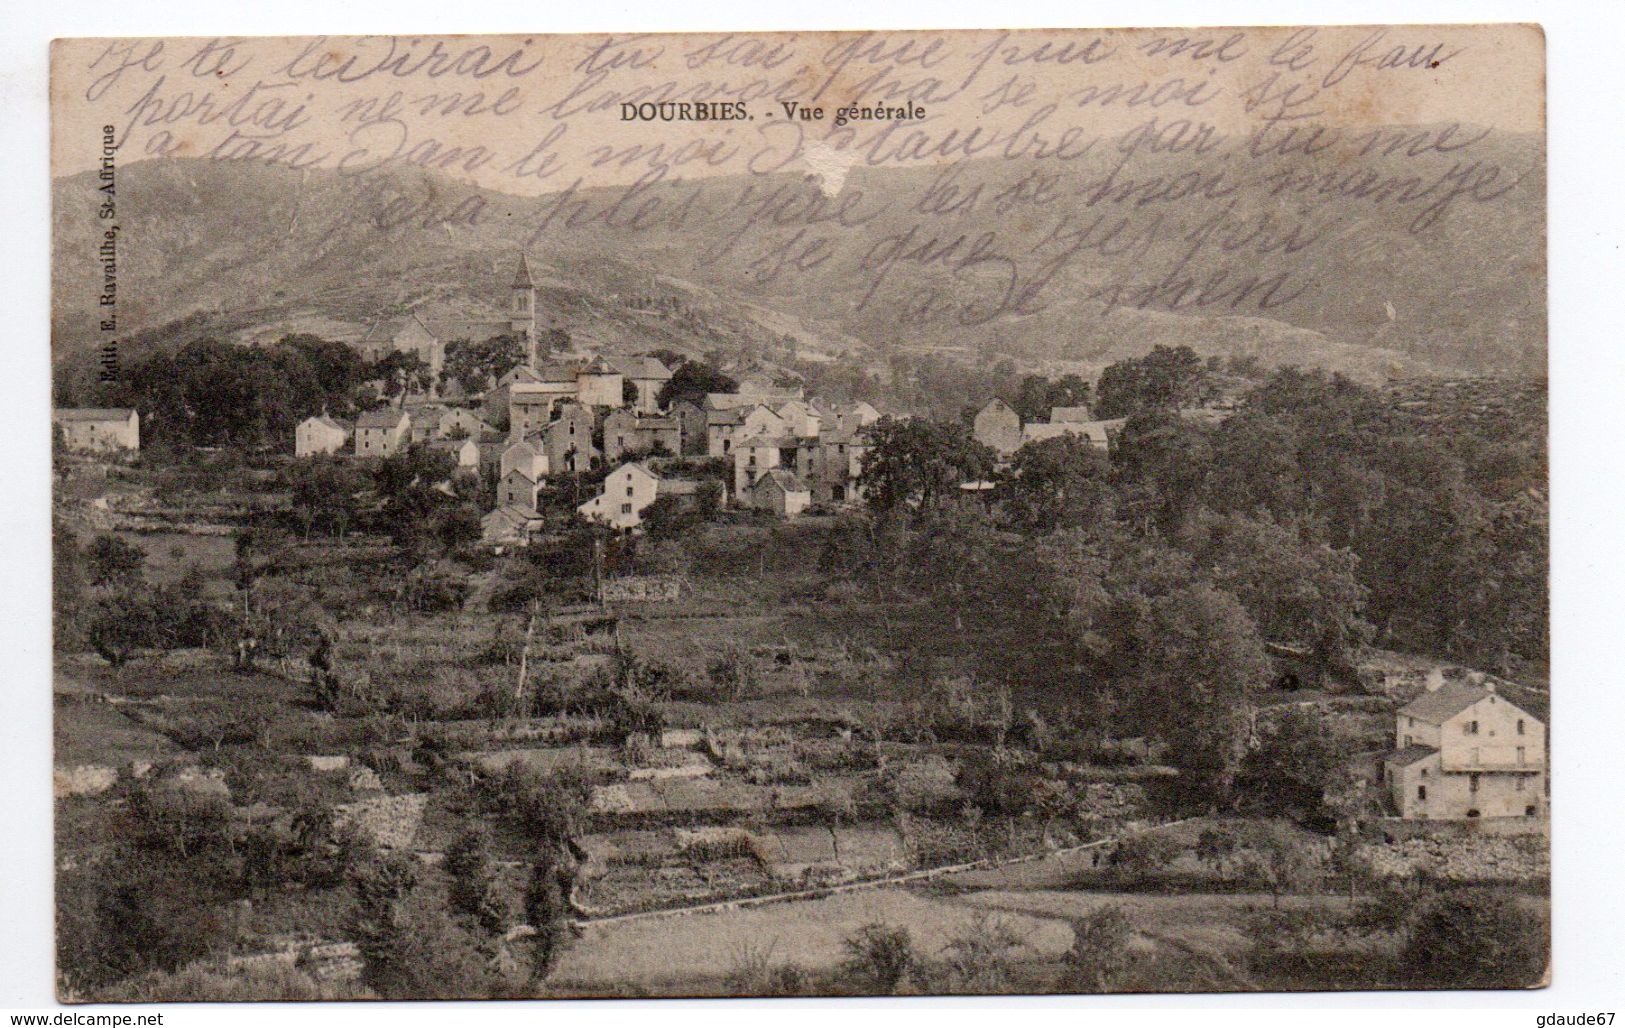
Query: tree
{"points": [[1216, 847], [123, 624], [547, 910], [920, 463], [1193, 659], [477, 366], [1056, 483], [1162, 462], [1037, 395], [472, 888], [1167, 378], [1297, 590], [1288, 774], [402, 373], [1144, 856], [692, 380], [114, 561], [324, 492]]}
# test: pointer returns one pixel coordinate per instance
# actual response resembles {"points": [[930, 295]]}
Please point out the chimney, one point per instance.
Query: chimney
{"points": [[1435, 679]]}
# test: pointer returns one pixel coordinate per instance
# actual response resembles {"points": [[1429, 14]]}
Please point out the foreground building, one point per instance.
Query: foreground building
{"points": [[1463, 751]]}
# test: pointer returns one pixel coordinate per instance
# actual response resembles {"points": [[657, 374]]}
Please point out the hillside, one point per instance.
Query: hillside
{"points": [[978, 258]]}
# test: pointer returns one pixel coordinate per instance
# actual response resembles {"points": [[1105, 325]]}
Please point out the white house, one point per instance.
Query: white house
{"points": [[98, 428], [319, 435], [1464, 751], [527, 455], [628, 491], [380, 433]]}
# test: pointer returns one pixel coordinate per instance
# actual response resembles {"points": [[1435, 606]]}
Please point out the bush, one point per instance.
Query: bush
{"points": [[979, 958], [1476, 938], [131, 915], [1145, 856], [1099, 957], [879, 958]]}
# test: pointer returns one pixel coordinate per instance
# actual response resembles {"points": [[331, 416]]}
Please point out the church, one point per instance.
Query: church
{"points": [[427, 333]]}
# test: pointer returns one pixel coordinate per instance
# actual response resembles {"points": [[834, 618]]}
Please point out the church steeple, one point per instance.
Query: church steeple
{"points": [[522, 307]]}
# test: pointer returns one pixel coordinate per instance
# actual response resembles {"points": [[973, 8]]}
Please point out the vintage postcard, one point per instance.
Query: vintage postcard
{"points": [[800, 514]]}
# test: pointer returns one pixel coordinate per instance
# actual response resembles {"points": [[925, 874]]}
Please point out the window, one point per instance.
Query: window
{"points": [[1472, 783], [1410, 722], [1520, 726], [626, 508], [1407, 740], [1473, 812], [1529, 811], [1520, 754], [1421, 792], [1424, 772], [629, 490], [1519, 785], [1469, 728]]}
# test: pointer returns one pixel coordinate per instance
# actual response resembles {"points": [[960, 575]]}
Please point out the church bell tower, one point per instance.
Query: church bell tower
{"points": [[522, 309]]}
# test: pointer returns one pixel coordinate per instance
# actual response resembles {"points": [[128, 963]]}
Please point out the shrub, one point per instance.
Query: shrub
{"points": [[879, 958], [1099, 958], [979, 957], [1476, 938], [1145, 856], [753, 972], [131, 915], [1001, 787]]}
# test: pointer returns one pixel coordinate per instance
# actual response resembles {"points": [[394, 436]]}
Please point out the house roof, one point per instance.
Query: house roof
{"points": [[783, 479], [1058, 414], [521, 278], [1409, 755], [475, 330], [1445, 702], [519, 373], [677, 487], [636, 466], [732, 416], [327, 422], [599, 366], [642, 367], [92, 413], [385, 418], [557, 371]]}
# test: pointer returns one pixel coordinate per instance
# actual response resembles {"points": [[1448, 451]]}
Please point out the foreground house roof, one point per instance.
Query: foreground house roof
{"points": [[1445, 702]]}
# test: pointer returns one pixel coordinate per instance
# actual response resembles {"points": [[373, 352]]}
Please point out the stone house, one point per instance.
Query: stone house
{"points": [[998, 427], [628, 491], [381, 433], [98, 429], [648, 376], [1464, 751], [721, 426], [690, 418], [319, 435], [800, 419], [755, 456], [518, 490], [779, 491], [830, 466], [627, 432], [509, 526], [567, 440], [462, 423]]}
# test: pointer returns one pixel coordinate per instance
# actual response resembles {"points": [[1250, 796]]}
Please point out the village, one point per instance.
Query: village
{"points": [[591, 673]]}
